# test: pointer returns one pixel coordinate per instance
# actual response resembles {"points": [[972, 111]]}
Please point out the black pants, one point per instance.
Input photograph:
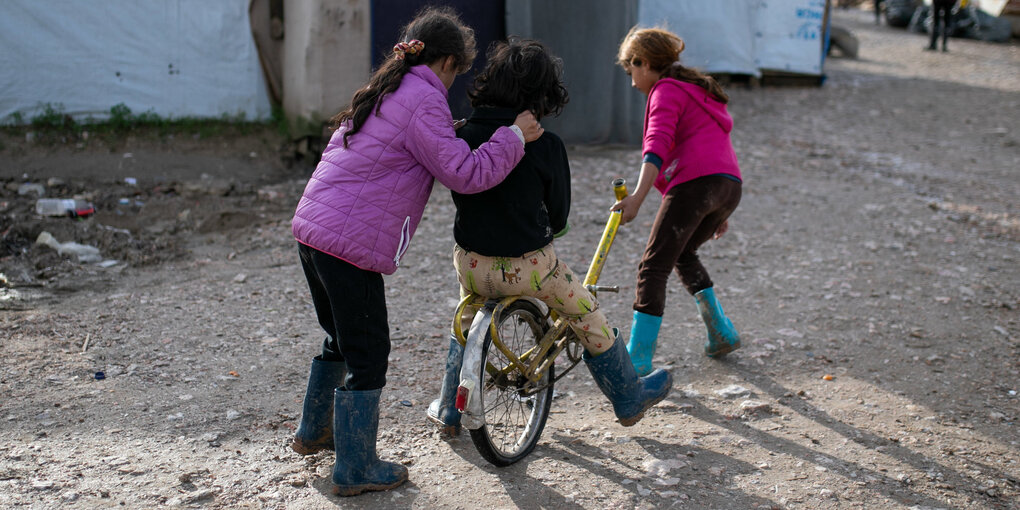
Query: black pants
{"points": [[350, 304], [689, 215], [941, 11]]}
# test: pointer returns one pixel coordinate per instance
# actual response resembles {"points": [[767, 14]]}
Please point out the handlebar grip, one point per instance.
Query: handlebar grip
{"points": [[595, 289]]}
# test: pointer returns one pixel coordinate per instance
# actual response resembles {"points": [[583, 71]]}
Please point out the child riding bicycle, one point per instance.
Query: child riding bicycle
{"points": [[505, 234]]}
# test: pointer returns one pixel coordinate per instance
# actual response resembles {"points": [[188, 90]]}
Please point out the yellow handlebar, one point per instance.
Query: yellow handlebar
{"points": [[620, 188], [608, 235]]}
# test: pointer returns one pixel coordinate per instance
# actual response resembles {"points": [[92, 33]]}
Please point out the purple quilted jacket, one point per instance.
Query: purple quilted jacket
{"points": [[363, 203]]}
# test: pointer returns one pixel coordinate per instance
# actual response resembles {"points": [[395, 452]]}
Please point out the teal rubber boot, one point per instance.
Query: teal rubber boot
{"points": [[644, 335], [631, 395], [355, 425], [442, 410], [722, 336], [315, 432]]}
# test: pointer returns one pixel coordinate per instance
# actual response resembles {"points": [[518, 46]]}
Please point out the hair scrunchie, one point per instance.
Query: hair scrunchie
{"points": [[412, 47]]}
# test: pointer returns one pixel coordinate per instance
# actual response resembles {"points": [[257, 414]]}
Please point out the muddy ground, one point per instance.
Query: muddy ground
{"points": [[877, 243]]}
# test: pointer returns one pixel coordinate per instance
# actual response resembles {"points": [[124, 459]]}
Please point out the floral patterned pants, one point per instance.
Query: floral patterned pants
{"points": [[540, 275]]}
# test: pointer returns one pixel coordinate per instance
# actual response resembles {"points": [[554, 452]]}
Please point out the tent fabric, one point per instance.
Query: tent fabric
{"points": [[174, 58], [789, 35], [719, 35], [744, 36]]}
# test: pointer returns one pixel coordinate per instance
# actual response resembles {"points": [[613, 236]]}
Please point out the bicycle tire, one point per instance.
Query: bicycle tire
{"points": [[513, 422]]}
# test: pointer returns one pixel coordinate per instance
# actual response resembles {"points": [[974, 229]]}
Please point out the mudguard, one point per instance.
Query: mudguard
{"points": [[473, 414]]}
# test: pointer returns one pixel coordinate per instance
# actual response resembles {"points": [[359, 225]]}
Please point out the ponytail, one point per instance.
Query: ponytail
{"points": [[434, 33], [678, 72], [386, 79]]}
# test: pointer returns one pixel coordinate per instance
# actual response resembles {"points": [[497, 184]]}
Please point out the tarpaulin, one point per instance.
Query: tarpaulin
{"points": [[174, 58], [744, 36], [719, 36]]}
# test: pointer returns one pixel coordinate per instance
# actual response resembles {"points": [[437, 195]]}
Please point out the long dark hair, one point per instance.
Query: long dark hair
{"points": [[661, 49], [520, 74], [444, 35]]}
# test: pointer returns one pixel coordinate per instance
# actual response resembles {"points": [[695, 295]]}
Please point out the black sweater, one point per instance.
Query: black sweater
{"points": [[522, 213]]}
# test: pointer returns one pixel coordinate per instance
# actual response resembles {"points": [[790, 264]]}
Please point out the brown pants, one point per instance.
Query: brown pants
{"points": [[689, 215], [541, 275]]}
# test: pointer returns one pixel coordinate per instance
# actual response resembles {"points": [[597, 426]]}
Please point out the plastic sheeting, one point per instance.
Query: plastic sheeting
{"points": [[744, 36], [174, 58], [719, 35], [789, 36]]}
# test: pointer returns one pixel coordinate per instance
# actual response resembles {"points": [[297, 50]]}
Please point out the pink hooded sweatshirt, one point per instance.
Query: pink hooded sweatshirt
{"points": [[363, 203], [689, 130]]}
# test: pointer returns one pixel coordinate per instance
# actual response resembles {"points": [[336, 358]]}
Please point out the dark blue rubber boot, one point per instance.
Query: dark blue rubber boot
{"points": [[442, 410], [722, 336], [357, 468], [615, 376], [315, 433], [644, 336]]}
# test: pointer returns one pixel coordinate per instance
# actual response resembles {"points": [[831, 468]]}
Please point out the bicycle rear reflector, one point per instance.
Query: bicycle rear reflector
{"points": [[463, 391]]}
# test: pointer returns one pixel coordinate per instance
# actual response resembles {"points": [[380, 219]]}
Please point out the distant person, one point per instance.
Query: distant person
{"points": [[941, 18], [356, 218], [688, 157], [505, 235], [878, 11]]}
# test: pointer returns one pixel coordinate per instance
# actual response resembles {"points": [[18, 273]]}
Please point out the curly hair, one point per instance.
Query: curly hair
{"points": [[523, 75]]}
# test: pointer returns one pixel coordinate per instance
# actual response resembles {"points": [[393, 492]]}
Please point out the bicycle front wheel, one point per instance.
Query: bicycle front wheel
{"points": [[515, 414]]}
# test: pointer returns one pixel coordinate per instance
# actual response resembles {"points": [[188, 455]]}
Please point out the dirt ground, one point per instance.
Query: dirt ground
{"points": [[877, 242]]}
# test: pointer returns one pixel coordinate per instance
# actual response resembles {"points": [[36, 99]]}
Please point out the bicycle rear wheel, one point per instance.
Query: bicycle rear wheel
{"points": [[514, 415]]}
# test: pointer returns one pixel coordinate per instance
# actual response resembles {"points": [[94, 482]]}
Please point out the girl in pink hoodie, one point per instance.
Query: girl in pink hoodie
{"points": [[688, 157], [356, 218]]}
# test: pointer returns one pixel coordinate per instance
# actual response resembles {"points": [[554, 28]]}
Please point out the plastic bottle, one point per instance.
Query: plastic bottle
{"points": [[64, 207]]}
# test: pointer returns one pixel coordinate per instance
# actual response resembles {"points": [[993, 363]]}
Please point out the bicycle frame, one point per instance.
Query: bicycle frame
{"points": [[534, 362]]}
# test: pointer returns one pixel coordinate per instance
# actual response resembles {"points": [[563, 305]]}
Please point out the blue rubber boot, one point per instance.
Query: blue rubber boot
{"points": [[615, 376], [644, 335], [315, 433], [355, 425], [442, 410], [722, 336]]}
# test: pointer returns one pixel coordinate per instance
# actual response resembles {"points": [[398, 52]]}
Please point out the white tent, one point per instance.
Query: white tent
{"points": [[744, 36], [174, 58]]}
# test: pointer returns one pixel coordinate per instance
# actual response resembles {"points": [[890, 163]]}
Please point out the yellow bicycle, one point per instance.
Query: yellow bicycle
{"points": [[508, 371]]}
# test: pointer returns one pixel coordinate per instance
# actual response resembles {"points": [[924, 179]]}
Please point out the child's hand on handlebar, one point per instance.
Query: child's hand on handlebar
{"points": [[529, 126], [628, 207]]}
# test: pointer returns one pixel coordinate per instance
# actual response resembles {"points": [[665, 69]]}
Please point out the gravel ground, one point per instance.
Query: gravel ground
{"points": [[877, 243]]}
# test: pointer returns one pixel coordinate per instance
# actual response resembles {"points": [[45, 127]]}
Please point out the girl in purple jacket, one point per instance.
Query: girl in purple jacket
{"points": [[688, 157], [356, 218]]}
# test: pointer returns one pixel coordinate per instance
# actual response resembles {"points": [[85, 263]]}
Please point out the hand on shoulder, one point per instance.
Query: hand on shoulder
{"points": [[529, 126]]}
